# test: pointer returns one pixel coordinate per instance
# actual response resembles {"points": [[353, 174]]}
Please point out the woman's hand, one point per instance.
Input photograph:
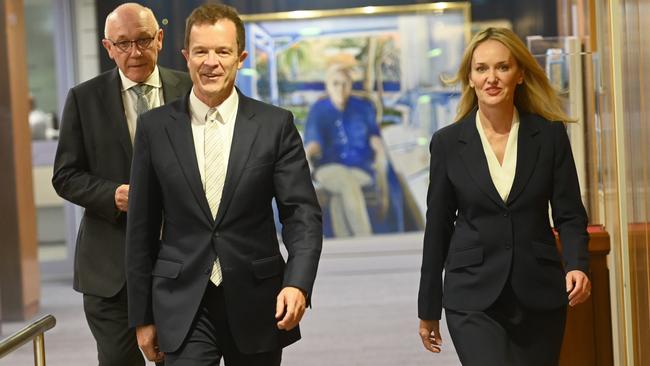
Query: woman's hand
{"points": [[578, 286], [430, 334]]}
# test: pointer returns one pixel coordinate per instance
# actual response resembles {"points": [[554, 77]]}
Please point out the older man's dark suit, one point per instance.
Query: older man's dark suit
{"points": [[166, 284], [93, 158], [484, 243]]}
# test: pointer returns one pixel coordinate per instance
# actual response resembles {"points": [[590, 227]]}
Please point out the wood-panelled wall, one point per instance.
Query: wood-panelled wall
{"points": [[639, 263], [624, 170], [635, 46], [19, 268], [588, 334]]}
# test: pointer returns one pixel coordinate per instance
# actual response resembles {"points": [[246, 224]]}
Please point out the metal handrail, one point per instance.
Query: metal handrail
{"points": [[33, 331]]}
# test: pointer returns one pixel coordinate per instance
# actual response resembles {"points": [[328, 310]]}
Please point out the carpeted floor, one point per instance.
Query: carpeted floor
{"points": [[364, 312]]}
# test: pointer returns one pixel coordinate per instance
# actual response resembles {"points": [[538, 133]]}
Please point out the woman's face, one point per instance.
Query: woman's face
{"points": [[495, 75]]}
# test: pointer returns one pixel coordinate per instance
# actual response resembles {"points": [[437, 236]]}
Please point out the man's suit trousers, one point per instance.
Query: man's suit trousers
{"points": [[107, 319], [210, 339]]}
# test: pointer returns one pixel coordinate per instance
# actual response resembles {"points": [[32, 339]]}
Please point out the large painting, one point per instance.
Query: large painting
{"points": [[365, 87]]}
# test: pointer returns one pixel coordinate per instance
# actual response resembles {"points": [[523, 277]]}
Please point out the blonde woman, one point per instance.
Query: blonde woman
{"points": [[493, 174]]}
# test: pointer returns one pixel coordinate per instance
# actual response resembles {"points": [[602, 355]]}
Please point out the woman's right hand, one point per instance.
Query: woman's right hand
{"points": [[430, 335]]}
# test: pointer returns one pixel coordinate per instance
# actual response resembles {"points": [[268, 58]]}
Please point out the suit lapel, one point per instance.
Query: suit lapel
{"points": [[474, 158], [179, 132], [112, 98], [242, 144], [171, 91], [527, 153]]}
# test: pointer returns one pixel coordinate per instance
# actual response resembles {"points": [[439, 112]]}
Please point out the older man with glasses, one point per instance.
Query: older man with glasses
{"points": [[93, 163]]}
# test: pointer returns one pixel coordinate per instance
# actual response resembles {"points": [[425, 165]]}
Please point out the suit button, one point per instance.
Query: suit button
{"points": [[507, 246], [216, 234], [506, 214]]}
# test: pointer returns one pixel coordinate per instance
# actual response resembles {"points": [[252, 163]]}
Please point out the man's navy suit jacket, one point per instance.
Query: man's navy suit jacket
{"points": [[168, 277]]}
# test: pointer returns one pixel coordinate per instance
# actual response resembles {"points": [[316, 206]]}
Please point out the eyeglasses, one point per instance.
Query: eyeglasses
{"points": [[125, 46]]}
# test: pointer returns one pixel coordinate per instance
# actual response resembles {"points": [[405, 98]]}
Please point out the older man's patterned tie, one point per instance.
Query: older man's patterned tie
{"points": [[141, 91]]}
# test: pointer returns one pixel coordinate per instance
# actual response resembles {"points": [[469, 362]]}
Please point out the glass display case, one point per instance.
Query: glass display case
{"points": [[563, 61]]}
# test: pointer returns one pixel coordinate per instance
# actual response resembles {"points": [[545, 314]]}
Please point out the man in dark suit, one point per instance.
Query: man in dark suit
{"points": [[207, 168], [92, 166]]}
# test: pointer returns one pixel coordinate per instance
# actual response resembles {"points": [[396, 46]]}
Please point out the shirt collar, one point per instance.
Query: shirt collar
{"points": [[515, 118], [226, 109], [153, 80]]}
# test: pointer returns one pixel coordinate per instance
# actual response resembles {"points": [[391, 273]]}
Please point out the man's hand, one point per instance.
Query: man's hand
{"points": [[578, 286], [290, 307], [430, 335], [148, 342], [122, 197]]}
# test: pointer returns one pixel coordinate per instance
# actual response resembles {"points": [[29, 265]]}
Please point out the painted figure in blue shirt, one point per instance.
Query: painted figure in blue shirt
{"points": [[343, 135], [344, 146]]}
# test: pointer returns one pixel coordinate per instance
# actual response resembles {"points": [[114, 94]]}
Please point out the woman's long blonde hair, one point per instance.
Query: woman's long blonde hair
{"points": [[534, 95]]}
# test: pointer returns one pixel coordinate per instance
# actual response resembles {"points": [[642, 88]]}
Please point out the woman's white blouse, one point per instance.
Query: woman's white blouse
{"points": [[502, 174]]}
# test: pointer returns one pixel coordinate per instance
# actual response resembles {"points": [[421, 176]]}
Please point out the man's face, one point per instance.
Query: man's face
{"points": [[213, 60], [138, 62], [339, 87]]}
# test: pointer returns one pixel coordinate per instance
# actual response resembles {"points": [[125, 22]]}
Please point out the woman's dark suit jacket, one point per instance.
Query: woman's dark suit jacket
{"points": [[482, 242]]}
